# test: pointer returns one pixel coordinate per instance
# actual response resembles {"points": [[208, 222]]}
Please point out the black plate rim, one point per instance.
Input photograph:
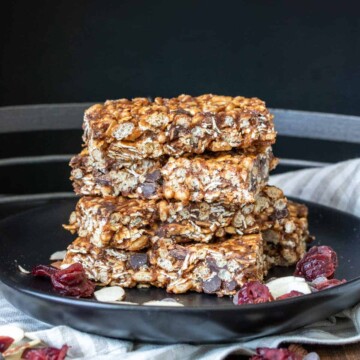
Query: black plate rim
{"points": [[54, 298]]}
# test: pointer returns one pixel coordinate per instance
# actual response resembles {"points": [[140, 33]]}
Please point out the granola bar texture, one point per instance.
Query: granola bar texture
{"points": [[225, 177], [134, 224], [174, 194], [120, 179], [286, 239], [282, 223], [220, 268], [140, 128], [108, 266], [119, 222]]}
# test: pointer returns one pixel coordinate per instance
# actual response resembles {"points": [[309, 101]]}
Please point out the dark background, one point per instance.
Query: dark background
{"points": [[294, 54], [301, 55]]}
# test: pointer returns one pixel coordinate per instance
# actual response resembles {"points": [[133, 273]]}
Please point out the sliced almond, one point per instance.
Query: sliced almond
{"points": [[110, 294], [163, 302], [123, 302], [12, 331], [58, 255], [13, 350], [284, 285], [24, 271], [127, 303], [312, 356]]}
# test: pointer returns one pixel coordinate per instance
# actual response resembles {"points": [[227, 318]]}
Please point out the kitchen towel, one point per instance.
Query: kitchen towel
{"points": [[335, 185]]}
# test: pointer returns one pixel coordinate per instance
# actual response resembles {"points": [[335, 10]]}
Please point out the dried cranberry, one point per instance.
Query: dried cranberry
{"points": [[43, 270], [253, 292], [275, 354], [5, 342], [325, 250], [71, 281], [45, 353], [291, 294], [326, 284], [318, 261]]}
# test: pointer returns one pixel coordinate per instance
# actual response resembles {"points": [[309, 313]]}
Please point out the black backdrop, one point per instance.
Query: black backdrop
{"points": [[294, 54]]}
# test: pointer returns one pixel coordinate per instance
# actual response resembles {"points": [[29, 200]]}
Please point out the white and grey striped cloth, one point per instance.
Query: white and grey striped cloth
{"points": [[335, 185]]}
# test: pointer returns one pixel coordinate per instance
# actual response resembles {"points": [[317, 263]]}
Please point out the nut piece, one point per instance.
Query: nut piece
{"points": [[285, 285], [24, 271], [110, 294], [163, 302], [58, 255]]}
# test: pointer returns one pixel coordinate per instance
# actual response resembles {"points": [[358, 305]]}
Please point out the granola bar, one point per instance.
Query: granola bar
{"points": [[139, 128], [108, 266], [285, 240], [124, 178], [282, 223], [131, 224], [225, 177], [203, 221], [219, 268], [115, 222]]}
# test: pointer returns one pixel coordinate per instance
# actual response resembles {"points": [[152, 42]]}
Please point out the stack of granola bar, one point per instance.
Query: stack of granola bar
{"points": [[175, 195]]}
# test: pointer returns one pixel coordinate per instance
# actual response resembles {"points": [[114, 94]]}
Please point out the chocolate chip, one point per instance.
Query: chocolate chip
{"points": [[154, 176], [279, 214], [178, 253], [108, 206], [161, 231], [104, 181], [254, 175], [263, 161], [263, 167], [138, 260], [253, 182], [271, 236], [178, 131], [212, 265], [230, 285], [212, 285], [219, 120], [174, 132], [148, 189], [182, 112]]}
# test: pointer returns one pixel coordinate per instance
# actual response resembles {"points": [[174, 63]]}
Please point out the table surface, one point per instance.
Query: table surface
{"points": [[347, 352]]}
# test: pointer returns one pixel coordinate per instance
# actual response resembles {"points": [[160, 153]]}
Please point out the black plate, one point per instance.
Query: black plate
{"points": [[29, 238]]}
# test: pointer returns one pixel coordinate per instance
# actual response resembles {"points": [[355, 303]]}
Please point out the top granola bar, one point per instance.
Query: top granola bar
{"points": [[139, 128]]}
